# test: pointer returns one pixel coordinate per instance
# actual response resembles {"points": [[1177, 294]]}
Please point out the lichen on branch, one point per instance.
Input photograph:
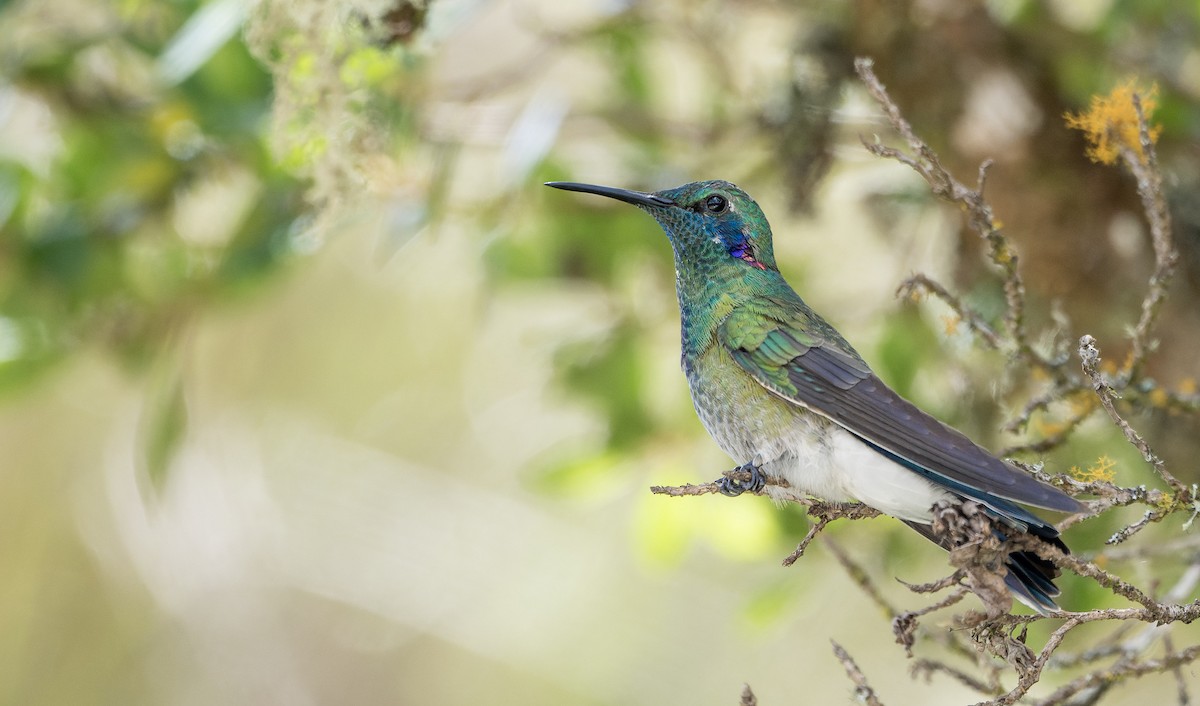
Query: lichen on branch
{"points": [[1112, 124]]}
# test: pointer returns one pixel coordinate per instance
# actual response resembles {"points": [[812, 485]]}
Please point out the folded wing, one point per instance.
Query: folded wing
{"points": [[803, 360]]}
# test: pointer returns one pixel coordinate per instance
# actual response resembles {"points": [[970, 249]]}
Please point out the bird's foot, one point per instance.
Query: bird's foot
{"points": [[733, 488]]}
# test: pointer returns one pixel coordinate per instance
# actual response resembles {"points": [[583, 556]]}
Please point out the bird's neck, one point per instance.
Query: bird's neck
{"points": [[706, 298]]}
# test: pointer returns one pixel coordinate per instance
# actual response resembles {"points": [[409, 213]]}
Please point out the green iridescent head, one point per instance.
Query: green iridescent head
{"points": [[709, 223]]}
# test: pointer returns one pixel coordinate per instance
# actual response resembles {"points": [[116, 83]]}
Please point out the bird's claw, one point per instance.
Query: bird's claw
{"points": [[733, 488]]}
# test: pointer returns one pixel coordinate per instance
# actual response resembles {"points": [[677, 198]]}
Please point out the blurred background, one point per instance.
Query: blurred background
{"points": [[311, 393]]}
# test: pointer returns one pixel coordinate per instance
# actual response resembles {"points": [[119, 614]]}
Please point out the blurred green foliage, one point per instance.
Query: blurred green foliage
{"points": [[156, 199]]}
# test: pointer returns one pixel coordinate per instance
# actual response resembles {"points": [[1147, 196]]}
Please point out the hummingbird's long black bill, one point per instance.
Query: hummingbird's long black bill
{"points": [[637, 198]]}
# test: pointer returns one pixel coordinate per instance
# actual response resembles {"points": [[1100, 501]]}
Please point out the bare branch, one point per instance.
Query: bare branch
{"points": [[1110, 496], [1089, 354], [714, 487], [862, 690], [925, 162], [748, 698], [1048, 443], [921, 283], [1038, 404], [1180, 546], [927, 667], [1144, 167], [1158, 612], [825, 513], [953, 579], [859, 576], [1180, 681], [813, 531], [904, 626], [678, 491], [1107, 677], [1150, 517]]}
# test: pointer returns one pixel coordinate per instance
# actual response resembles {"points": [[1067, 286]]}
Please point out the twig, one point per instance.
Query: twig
{"points": [[925, 162], [748, 698], [1110, 495], [1176, 547], [926, 667], [813, 531], [974, 321], [1134, 647], [953, 579], [904, 626], [1150, 517], [859, 576], [1032, 674], [780, 489], [678, 491], [1089, 355], [1177, 670], [713, 487], [1151, 610], [1159, 612], [862, 690], [1119, 673], [1149, 185], [826, 512], [1050, 442], [1041, 403]]}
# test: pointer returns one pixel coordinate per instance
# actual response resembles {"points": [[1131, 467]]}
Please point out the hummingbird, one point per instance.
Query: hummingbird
{"points": [[786, 396]]}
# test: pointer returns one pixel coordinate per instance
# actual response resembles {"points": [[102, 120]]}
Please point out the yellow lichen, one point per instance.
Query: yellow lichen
{"points": [[1104, 469], [1166, 502], [1111, 123]]}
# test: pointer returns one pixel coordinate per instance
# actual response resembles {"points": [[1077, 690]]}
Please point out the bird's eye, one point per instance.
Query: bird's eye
{"points": [[715, 203]]}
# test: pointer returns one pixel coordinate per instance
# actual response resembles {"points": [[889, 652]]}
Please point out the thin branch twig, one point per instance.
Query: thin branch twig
{"points": [[748, 698], [974, 321], [1144, 167], [1089, 355], [860, 576], [925, 162], [862, 690]]}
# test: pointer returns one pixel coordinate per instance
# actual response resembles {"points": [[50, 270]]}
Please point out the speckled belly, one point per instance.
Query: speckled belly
{"points": [[751, 424], [815, 455]]}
